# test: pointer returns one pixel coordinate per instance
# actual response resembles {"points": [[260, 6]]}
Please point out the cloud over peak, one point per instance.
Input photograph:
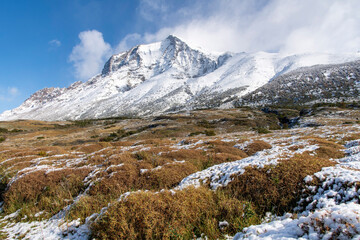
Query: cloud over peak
{"points": [[296, 26], [273, 25], [89, 55]]}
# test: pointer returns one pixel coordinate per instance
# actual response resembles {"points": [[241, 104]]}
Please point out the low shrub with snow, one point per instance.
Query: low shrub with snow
{"points": [[182, 214], [338, 222], [275, 188]]}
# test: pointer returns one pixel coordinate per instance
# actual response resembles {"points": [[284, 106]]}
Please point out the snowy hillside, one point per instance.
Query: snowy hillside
{"points": [[178, 175], [324, 83], [163, 77]]}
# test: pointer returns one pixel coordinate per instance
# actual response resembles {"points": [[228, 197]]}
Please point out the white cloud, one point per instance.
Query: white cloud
{"points": [[90, 54], [9, 94], [128, 41], [55, 43], [13, 91], [150, 9], [232, 25], [274, 25]]}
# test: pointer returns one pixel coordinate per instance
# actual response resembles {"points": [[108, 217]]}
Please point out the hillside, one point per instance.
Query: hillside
{"points": [[181, 176], [309, 85]]}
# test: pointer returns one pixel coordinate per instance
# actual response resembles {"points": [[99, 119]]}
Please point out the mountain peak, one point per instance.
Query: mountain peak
{"points": [[173, 41], [173, 38], [160, 56]]}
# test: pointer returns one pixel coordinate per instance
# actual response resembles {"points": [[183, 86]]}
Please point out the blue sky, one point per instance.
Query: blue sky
{"points": [[37, 37], [53, 43]]}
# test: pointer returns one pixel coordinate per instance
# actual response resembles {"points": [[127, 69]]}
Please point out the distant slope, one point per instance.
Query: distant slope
{"points": [[322, 83], [163, 77]]}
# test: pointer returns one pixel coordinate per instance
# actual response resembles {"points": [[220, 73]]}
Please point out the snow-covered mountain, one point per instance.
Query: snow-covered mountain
{"points": [[163, 77]]}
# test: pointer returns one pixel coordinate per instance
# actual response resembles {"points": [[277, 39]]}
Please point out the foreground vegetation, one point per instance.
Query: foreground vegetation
{"points": [[120, 177]]}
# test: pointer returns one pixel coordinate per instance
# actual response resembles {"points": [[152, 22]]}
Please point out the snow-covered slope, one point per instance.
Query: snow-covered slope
{"points": [[164, 76], [324, 83]]}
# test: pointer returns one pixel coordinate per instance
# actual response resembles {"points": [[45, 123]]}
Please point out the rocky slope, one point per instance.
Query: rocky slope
{"points": [[164, 77], [323, 83]]}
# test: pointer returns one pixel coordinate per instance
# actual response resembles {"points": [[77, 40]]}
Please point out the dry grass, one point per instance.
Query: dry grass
{"points": [[197, 157], [350, 137], [90, 148], [128, 177], [256, 146], [42, 191], [120, 179], [115, 183], [217, 152], [276, 188], [147, 160], [327, 149], [167, 176], [146, 215]]}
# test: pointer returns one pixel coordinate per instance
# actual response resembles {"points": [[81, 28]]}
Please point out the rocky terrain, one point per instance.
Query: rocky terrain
{"points": [[309, 85]]}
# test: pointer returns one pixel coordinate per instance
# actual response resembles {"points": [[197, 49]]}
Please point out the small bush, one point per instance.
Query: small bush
{"points": [[3, 130], [206, 124], [83, 123], [195, 134], [4, 180], [262, 130], [15, 130], [42, 154], [2, 139], [209, 132]]}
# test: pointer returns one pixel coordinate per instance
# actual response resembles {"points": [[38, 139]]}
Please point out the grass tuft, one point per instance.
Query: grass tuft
{"points": [[256, 146]]}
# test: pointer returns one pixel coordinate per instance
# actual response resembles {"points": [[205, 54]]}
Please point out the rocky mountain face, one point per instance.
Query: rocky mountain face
{"points": [[308, 85], [169, 76]]}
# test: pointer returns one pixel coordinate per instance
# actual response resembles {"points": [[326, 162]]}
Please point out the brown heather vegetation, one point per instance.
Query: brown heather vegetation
{"points": [[256, 146], [155, 155], [327, 149], [351, 136], [276, 188], [42, 191], [166, 215]]}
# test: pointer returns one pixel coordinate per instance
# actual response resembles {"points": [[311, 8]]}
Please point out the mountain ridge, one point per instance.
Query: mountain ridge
{"points": [[163, 77], [316, 84]]}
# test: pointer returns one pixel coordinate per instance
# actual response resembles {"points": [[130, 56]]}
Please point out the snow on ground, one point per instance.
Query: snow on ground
{"points": [[328, 210], [221, 175], [52, 229], [324, 210], [337, 222]]}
